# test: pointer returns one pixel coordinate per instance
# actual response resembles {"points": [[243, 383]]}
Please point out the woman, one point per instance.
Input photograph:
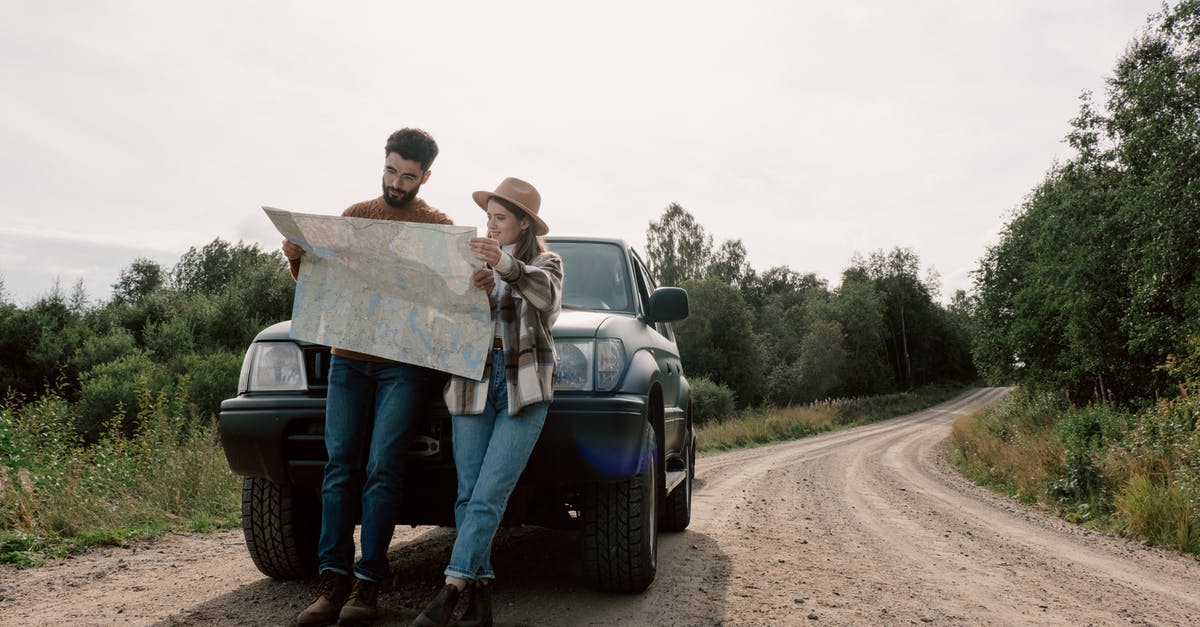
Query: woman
{"points": [[497, 420]]}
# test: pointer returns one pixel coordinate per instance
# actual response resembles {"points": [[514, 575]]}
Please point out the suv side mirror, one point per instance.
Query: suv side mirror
{"points": [[668, 304]]}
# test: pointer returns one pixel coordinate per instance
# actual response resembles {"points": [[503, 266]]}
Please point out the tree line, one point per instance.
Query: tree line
{"points": [[776, 337], [782, 337], [178, 332], [1093, 288]]}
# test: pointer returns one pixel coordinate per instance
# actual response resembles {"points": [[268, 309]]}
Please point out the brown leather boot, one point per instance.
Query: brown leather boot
{"points": [[332, 590], [362, 608], [440, 609]]}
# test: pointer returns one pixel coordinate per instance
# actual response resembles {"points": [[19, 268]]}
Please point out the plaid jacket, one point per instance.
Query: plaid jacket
{"points": [[526, 310]]}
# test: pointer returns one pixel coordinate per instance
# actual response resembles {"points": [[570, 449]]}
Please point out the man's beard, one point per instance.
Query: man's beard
{"points": [[401, 201]]}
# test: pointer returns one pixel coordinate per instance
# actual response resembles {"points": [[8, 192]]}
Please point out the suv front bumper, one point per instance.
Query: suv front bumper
{"points": [[586, 438]]}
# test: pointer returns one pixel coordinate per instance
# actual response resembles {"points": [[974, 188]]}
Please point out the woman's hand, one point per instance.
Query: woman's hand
{"points": [[484, 279], [486, 250]]}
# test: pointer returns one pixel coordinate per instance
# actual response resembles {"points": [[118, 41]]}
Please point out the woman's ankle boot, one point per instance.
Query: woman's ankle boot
{"points": [[439, 611], [479, 607]]}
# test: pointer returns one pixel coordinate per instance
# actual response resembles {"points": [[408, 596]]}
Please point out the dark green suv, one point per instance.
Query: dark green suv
{"points": [[615, 460]]}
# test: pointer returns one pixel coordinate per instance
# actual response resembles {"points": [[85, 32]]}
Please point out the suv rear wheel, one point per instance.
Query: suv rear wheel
{"points": [[620, 528], [281, 524]]}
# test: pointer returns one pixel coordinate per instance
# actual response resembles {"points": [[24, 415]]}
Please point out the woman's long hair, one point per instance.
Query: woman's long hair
{"points": [[527, 245]]}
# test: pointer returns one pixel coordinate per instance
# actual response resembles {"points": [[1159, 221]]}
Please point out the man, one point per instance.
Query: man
{"points": [[369, 411]]}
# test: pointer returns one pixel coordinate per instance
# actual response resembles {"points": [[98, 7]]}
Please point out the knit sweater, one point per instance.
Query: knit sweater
{"points": [[378, 209]]}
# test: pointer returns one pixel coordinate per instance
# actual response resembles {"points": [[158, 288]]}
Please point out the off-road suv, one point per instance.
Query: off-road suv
{"points": [[615, 460]]}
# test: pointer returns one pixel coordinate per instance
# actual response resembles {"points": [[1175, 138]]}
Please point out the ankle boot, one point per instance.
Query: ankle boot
{"points": [[479, 606], [362, 608], [332, 591], [440, 609]]}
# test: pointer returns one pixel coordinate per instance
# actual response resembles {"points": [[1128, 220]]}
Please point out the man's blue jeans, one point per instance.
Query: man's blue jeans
{"points": [[369, 413], [490, 452]]}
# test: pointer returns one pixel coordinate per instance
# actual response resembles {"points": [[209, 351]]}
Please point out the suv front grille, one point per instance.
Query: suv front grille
{"points": [[316, 366]]}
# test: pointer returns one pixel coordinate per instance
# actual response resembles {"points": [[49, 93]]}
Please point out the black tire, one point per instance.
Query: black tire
{"points": [[281, 524], [620, 528], [677, 507]]}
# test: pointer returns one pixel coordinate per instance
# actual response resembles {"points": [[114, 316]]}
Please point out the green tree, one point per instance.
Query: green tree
{"points": [[920, 342], [1094, 282], [717, 339], [19, 331], [822, 357], [859, 308], [677, 247], [137, 281], [729, 263], [1154, 128]]}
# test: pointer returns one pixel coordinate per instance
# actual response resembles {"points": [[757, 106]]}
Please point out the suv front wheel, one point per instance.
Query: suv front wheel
{"points": [[620, 527], [282, 525]]}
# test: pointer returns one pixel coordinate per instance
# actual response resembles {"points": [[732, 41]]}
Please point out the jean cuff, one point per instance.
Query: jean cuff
{"points": [[358, 574]]}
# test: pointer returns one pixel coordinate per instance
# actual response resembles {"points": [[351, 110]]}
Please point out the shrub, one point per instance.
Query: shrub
{"points": [[169, 338], [110, 391], [209, 379], [710, 401], [1159, 460], [103, 347], [1086, 434]]}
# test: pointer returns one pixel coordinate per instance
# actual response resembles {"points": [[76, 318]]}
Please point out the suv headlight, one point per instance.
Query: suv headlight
{"points": [[273, 367], [587, 365]]}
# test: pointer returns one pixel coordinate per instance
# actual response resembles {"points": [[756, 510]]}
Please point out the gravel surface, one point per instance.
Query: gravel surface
{"points": [[867, 526]]}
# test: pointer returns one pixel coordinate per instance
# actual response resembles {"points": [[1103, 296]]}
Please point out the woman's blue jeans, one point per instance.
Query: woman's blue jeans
{"points": [[369, 413], [490, 452]]}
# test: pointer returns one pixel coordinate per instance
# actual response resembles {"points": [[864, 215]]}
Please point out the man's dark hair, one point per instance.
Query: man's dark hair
{"points": [[413, 144]]}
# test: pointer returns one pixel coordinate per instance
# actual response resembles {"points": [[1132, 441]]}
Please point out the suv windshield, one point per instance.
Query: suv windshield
{"points": [[595, 276]]}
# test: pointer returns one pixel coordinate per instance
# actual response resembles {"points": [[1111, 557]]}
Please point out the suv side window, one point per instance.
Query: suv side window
{"points": [[646, 286]]}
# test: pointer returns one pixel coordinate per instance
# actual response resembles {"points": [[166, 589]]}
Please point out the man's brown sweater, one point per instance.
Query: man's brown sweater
{"points": [[377, 209]]}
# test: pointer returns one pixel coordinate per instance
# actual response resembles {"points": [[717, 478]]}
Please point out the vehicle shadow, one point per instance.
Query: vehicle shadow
{"points": [[540, 582]]}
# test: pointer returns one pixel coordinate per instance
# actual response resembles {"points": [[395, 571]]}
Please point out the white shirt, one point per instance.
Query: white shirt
{"points": [[504, 265]]}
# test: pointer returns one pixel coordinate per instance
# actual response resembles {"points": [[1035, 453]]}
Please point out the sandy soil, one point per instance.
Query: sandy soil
{"points": [[867, 526]]}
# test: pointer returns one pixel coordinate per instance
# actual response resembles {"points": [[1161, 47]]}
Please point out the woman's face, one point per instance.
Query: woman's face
{"points": [[503, 225]]}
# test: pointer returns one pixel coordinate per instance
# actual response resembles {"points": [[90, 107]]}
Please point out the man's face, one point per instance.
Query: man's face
{"points": [[402, 179]]}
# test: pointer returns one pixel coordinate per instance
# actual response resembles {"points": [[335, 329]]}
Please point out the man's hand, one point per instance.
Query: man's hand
{"points": [[291, 251], [484, 279]]}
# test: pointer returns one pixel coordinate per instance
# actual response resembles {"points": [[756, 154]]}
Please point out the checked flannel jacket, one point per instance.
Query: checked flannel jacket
{"points": [[526, 310]]}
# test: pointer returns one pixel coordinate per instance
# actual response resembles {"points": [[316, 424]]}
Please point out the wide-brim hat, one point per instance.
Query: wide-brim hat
{"points": [[522, 195]]}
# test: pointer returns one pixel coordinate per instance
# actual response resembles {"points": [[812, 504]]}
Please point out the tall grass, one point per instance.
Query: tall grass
{"points": [[1132, 473], [755, 427], [58, 494], [1011, 446]]}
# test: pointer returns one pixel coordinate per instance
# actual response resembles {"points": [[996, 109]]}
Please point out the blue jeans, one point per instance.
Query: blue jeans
{"points": [[490, 452], [369, 413]]}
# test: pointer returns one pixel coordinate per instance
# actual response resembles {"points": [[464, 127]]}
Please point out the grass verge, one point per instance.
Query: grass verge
{"points": [[1136, 474], [757, 427], [59, 495]]}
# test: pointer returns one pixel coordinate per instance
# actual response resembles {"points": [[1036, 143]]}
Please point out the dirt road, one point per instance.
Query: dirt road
{"points": [[868, 526]]}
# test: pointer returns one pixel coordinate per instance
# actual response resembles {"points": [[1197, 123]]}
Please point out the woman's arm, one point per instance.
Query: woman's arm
{"points": [[539, 281]]}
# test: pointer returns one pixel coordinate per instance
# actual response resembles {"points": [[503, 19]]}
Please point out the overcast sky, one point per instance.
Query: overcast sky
{"points": [[810, 131]]}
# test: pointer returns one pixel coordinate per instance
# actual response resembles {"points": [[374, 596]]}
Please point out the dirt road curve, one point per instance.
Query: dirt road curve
{"points": [[868, 526]]}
